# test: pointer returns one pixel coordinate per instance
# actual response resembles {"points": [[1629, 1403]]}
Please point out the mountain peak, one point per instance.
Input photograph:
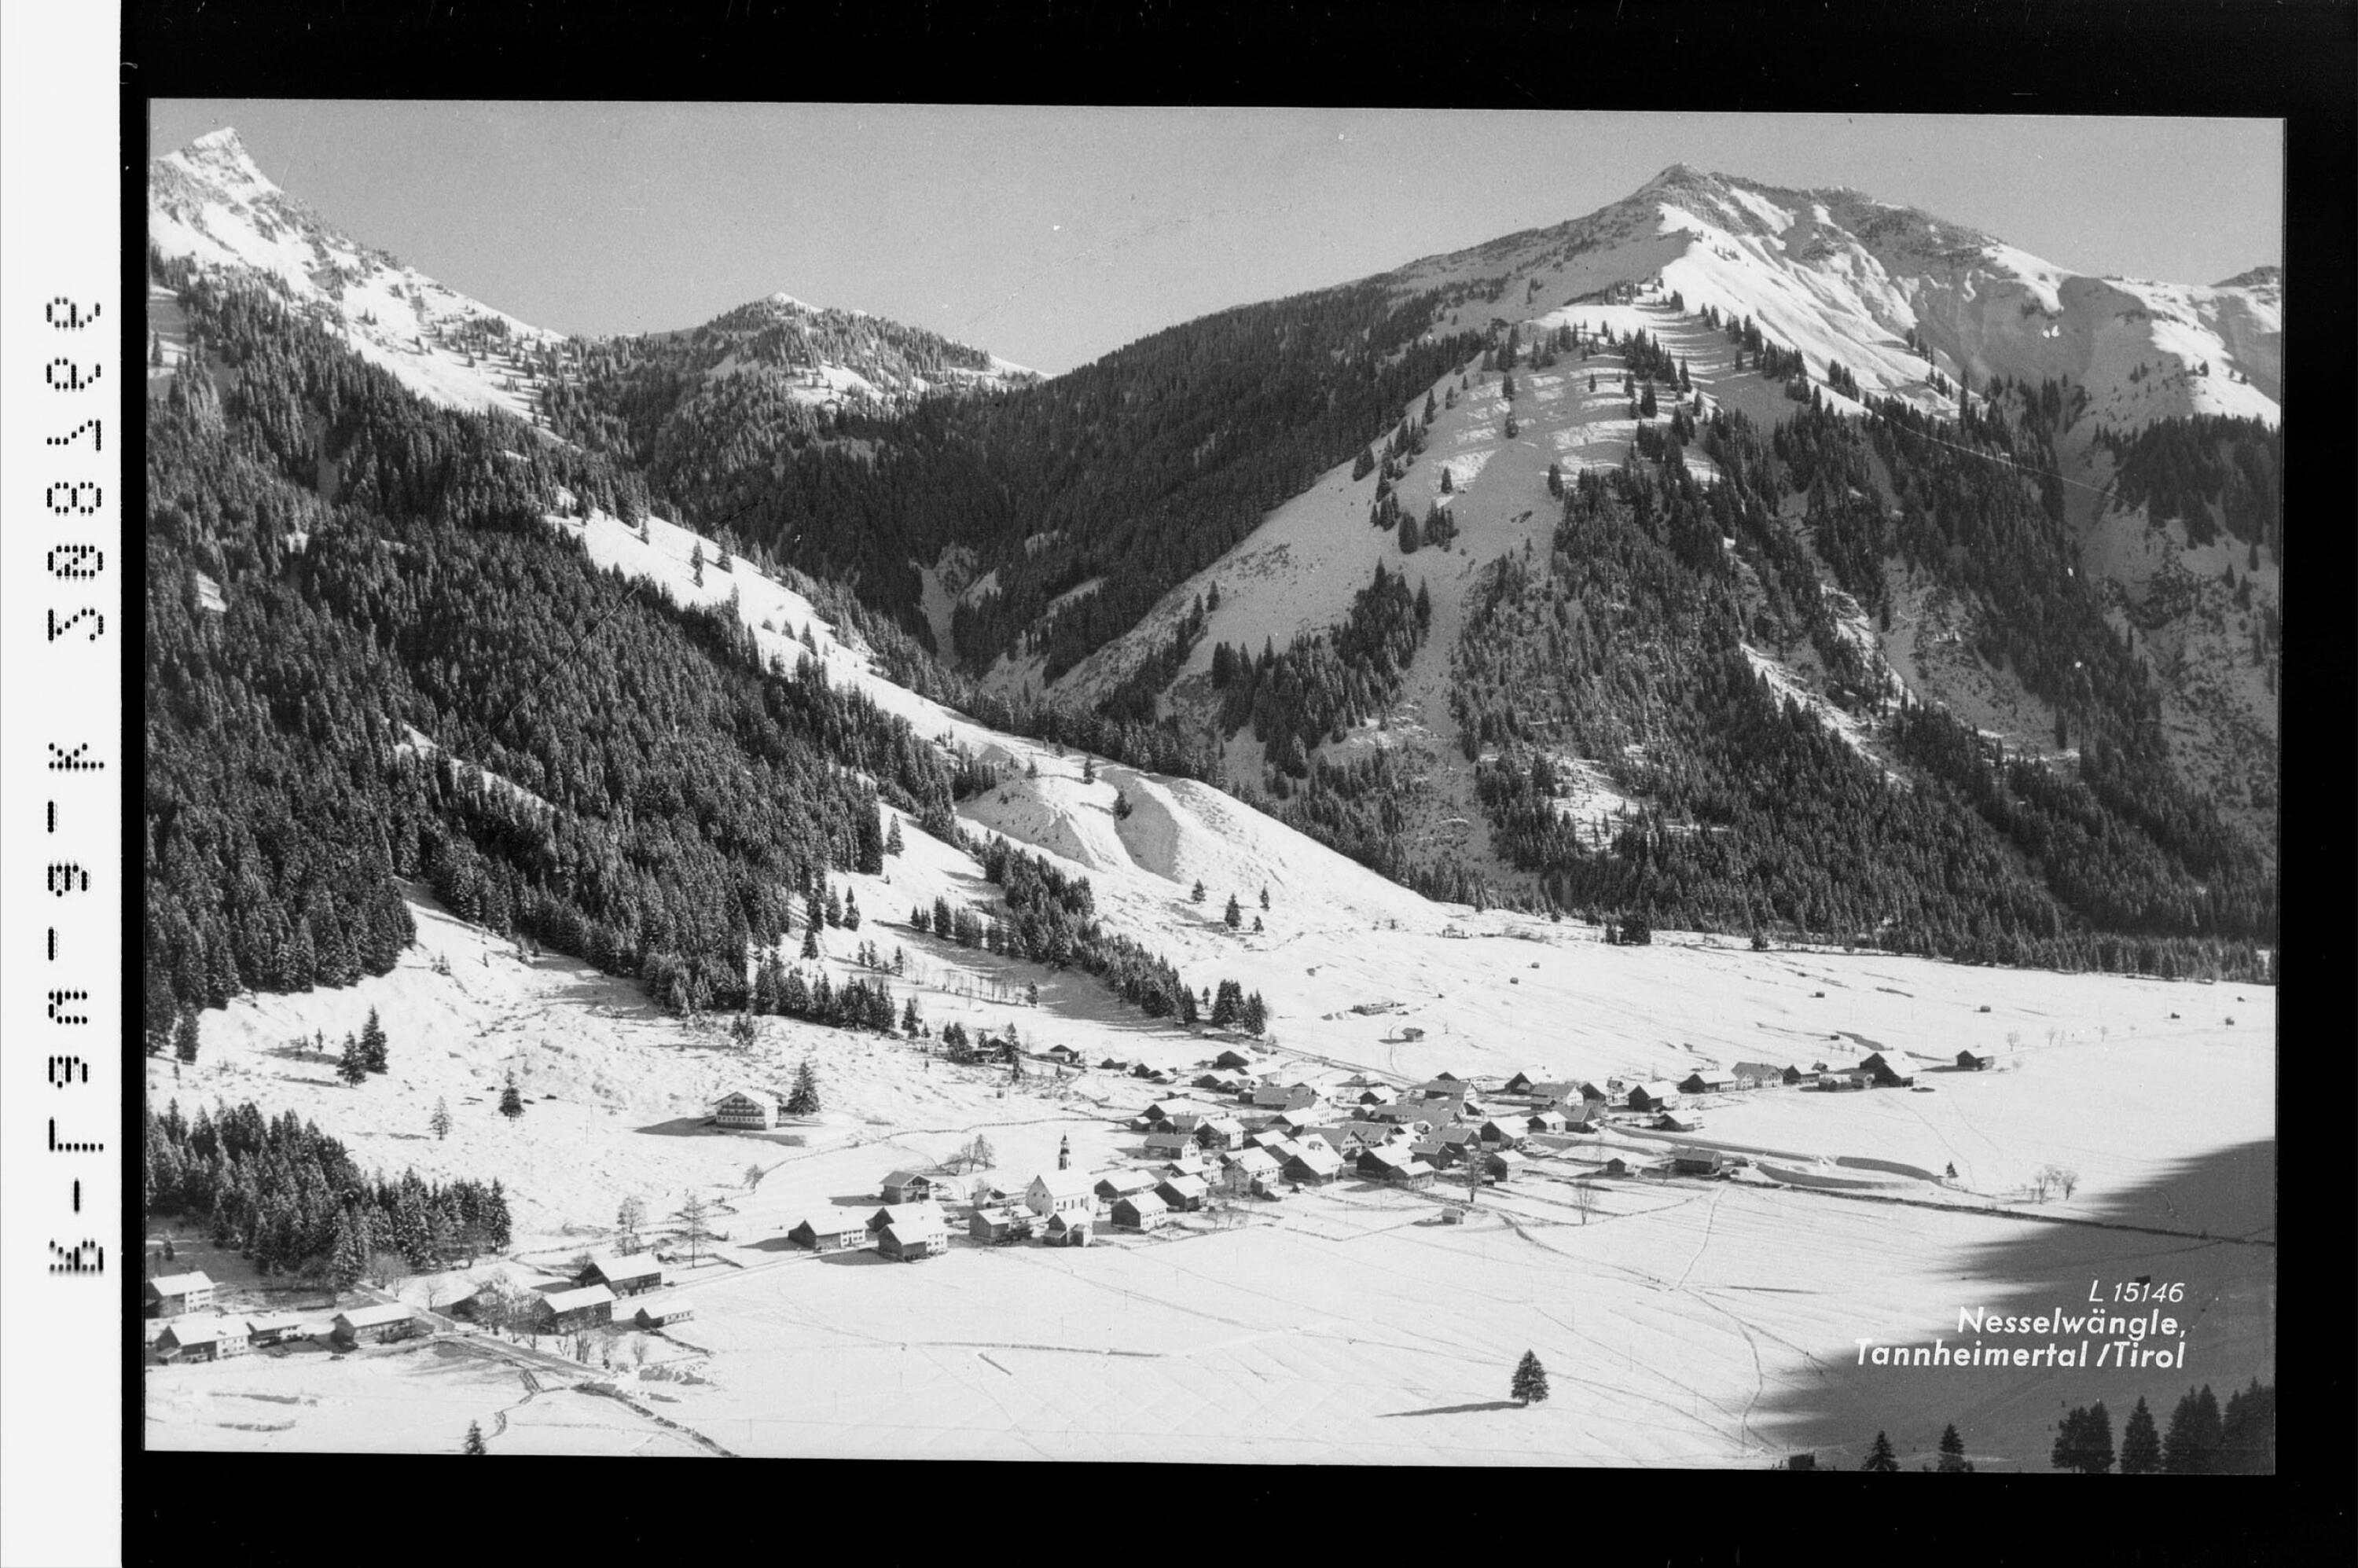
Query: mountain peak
{"points": [[221, 160], [2257, 277]]}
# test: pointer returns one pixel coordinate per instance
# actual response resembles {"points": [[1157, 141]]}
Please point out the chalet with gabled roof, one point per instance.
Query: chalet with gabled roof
{"points": [[830, 1233], [174, 1296]]}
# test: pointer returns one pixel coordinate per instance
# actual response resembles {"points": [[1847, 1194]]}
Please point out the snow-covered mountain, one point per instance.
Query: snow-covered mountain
{"points": [[1841, 276], [211, 204]]}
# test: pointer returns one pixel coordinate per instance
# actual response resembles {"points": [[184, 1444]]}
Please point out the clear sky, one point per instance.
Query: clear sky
{"points": [[1053, 235]]}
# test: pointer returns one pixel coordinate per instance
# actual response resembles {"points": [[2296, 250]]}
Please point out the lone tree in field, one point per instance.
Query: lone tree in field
{"points": [[1880, 1459], [627, 1221], [511, 1102], [372, 1043], [1530, 1379], [440, 1121], [803, 1099], [1196, 895], [475, 1438], [352, 1067], [184, 1036], [1235, 915], [694, 1226]]}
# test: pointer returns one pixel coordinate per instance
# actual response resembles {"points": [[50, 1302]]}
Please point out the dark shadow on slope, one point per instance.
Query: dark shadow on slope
{"points": [[1454, 1409], [2225, 1205]]}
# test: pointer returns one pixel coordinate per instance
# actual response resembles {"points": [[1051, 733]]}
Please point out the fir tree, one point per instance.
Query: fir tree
{"points": [[372, 1043], [511, 1102], [1196, 895], [810, 947], [1880, 1460], [184, 1036], [852, 912], [440, 1121], [696, 563], [1235, 915], [475, 1438], [1952, 1451], [834, 908], [803, 1098], [2140, 1443], [1531, 1384], [352, 1067], [1264, 895], [1088, 770], [892, 844], [1254, 1016]]}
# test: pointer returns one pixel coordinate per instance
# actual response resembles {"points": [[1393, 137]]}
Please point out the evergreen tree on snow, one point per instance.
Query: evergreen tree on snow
{"points": [[696, 563], [184, 1036], [1880, 1459], [440, 1121], [1952, 1451], [803, 1098], [1235, 915], [892, 844], [475, 1438], [2140, 1443], [511, 1102], [1264, 895], [352, 1067], [810, 945], [372, 1043], [1195, 894], [1531, 1384]]}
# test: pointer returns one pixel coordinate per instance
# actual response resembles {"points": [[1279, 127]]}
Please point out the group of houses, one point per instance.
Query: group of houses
{"points": [[196, 1330]]}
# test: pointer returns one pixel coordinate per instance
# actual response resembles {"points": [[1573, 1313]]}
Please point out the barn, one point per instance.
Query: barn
{"points": [[173, 1295], [1615, 1166], [1500, 1134], [1657, 1096], [1703, 1083], [1220, 1133], [908, 1187], [1115, 1186], [1697, 1161], [1377, 1094], [746, 1110], [1546, 1121], [202, 1339], [915, 1230], [1235, 1060], [1395, 1167], [662, 1312], [1168, 1144], [834, 1233], [1525, 1082], [1502, 1165], [1068, 1230], [376, 1325], [1796, 1076], [562, 1311], [1183, 1195], [1315, 1164], [1971, 1063], [632, 1276], [1141, 1211]]}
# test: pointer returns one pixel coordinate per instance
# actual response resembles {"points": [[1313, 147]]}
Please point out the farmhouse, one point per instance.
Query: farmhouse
{"points": [[561, 1312], [1675, 1122], [1064, 1055], [915, 1231], [170, 1295], [633, 1276], [1615, 1166], [1652, 1096], [998, 1224], [832, 1233], [1711, 1083], [1115, 1186], [1183, 1194], [274, 1328], [1497, 1133], [749, 1111], [1144, 1211], [1377, 1094], [908, 1187], [1395, 1167], [1053, 1193], [1841, 1082], [376, 1325], [1159, 1143], [1546, 1121], [1235, 1060], [1317, 1164], [1885, 1075], [1250, 1172], [1554, 1091], [1220, 1133], [1293, 1096], [1757, 1075], [1796, 1076], [1971, 1063], [1501, 1165], [1068, 1230], [662, 1312], [1697, 1161], [1525, 1082], [202, 1339], [903, 1213]]}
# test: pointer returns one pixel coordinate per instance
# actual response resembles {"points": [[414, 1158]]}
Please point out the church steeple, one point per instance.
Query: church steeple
{"points": [[1064, 1152]]}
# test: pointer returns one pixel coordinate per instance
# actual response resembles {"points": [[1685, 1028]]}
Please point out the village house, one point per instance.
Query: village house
{"points": [[1500, 1134], [830, 1233], [1677, 1122], [1281, 1150], [915, 1231], [662, 1312], [1220, 1133], [999, 1226], [908, 1187], [1064, 1055], [1053, 1193], [274, 1328], [1843, 1082], [1314, 1164], [1710, 1083], [1253, 1171], [375, 1325], [1395, 1167], [1885, 1075], [1293, 1096], [1796, 1076], [1657, 1096], [202, 1339], [1546, 1121], [1140, 1211], [1183, 1195], [1756, 1075], [904, 1212], [1971, 1063], [1525, 1082], [1068, 1230], [1235, 1060], [1615, 1166], [1378, 1094], [1554, 1091], [1115, 1186], [172, 1295], [745, 1110], [633, 1276], [1697, 1161], [562, 1311], [1168, 1144], [1501, 1165]]}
